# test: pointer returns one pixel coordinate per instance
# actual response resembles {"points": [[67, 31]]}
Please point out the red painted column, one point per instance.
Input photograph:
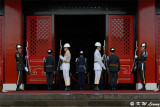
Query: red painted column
{"points": [[146, 33], [13, 36]]}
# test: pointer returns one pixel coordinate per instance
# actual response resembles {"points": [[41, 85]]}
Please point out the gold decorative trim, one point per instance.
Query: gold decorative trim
{"points": [[124, 79], [126, 70], [125, 59], [36, 60], [37, 79], [34, 71]]}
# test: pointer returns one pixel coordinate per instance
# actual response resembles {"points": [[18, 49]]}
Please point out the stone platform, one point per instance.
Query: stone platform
{"points": [[121, 98]]}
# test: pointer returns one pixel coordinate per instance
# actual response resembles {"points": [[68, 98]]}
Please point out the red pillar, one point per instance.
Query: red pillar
{"points": [[146, 33], [13, 36]]}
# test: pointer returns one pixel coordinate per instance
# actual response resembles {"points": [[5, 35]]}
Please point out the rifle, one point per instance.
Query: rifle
{"points": [[59, 61], [105, 59], [134, 67], [27, 61]]}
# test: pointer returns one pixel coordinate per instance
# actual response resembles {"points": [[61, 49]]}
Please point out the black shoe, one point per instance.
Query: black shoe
{"points": [[18, 89], [66, 89], [96, 88], [143, 88], [48, 87], [82, 88], [114, 87], [51, 87]]}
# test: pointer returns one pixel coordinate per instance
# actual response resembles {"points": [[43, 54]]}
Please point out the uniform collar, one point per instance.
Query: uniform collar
{"points": [[97, 50], [18, 52], [143, 50]]}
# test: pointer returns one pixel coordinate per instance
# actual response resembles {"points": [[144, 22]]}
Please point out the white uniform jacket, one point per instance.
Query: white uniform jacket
{"points": [[98, 64], [66, 61]]}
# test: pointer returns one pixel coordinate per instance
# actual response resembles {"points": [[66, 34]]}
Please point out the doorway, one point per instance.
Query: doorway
{"points": [[81, 31]]}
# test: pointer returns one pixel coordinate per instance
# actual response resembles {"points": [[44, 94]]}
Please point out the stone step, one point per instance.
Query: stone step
{"points": [[77, 99]]}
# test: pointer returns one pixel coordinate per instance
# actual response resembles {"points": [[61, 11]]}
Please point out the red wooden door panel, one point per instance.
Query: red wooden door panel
{"points": [[39, 37], [158, 50], [121, 37], [1, 48]]}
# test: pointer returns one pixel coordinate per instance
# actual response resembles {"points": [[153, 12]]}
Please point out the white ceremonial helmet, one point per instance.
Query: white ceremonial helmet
{"points": [[97, 44], [18, 46], [67, 45], [49, 51], [112, 50], [81, 52], [144, 45]]}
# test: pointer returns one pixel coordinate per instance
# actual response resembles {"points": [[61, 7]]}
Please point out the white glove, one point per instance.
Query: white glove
{"points": [[26, 69], [135, 56], [104, 56], [26, 57], [104, 68], [60, 56]]}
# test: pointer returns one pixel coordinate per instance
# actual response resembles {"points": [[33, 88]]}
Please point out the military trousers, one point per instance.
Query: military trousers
{"points": [[113, 78], [49, 78], [97, 76], [19, 77], [66, 77], [81, 78], [142, 76]]}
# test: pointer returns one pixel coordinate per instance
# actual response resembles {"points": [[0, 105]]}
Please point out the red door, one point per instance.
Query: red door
{"points": [[121, 37], [39, 37], [158, 49], [1, 48]]}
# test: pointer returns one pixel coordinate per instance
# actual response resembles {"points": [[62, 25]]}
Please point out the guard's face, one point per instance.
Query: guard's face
{"points": [[99, 48], [20, 49], [142, 48], [65, 49]]}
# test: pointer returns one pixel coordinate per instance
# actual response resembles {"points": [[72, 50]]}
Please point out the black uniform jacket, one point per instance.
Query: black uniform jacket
{"points": [[142, 60], [19, 60], [81, 65], [113, 63], [49, 64]]}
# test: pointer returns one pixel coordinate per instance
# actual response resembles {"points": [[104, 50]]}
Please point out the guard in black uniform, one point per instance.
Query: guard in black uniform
{"points": [[81, 69], [142, 65], [49, 68], [20, 66], [114, 68]]}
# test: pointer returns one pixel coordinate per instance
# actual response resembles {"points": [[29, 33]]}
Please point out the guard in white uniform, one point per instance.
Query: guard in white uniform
{"points": [[98, 65], [66, 66]]}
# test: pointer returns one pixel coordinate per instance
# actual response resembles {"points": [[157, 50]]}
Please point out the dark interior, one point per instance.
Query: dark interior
{"points": [[81, 31]]}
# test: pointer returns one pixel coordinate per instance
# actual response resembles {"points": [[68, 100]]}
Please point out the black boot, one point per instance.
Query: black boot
{"points": [[82, 87], [96, 88], [143, 87], [66, 89], [48, 87], [18, 89], [114, 87], [51, 87]]}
